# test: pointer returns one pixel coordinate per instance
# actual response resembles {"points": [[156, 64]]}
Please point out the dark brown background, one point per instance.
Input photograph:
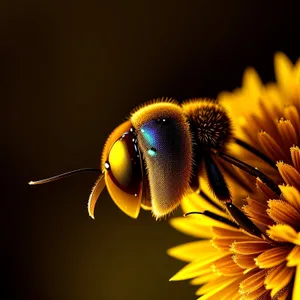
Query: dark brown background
{"points": [[69, 73]]}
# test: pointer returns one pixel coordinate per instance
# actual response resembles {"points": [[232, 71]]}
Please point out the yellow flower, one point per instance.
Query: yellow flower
{"points": [[228, 262]]}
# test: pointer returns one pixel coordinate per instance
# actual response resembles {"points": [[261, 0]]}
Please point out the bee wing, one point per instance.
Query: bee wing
{"points": [[96, 191]]}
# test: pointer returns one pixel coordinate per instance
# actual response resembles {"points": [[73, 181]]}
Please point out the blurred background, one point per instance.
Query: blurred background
{"points": [[70, 72]]}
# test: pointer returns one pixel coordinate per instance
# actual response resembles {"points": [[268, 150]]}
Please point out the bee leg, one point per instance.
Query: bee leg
{"points": [[255, 152], [219, 186], [214, 216], [251, 171], [216, 179], [209, 200]]}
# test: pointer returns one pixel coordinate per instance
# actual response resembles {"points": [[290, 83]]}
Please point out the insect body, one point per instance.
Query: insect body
{"points": [[155, 158]]}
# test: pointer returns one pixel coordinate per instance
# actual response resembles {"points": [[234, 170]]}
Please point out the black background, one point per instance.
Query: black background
{"points": [[69, 74]]}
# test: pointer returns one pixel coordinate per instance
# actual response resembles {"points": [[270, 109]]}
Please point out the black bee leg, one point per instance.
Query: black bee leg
{"points": [[213, 216], [219, 186], [209, 200], [251, 171], [255, 152], [216, 179], [243, 220]]}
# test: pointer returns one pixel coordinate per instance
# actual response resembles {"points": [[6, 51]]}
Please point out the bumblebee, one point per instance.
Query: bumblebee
{"points": [[155, 158]]}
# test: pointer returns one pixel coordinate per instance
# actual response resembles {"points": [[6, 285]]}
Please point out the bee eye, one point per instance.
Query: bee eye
{"points": [[123, 164], [124, 174]]}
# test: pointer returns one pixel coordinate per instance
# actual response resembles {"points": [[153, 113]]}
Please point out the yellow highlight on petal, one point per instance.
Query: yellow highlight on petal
{"points": [[296, 290], [284, 233], [197, 268], [283, 69], [190, 251], [291, 195], [294, 257], [252, 83], [215, 289], [192, 227]]}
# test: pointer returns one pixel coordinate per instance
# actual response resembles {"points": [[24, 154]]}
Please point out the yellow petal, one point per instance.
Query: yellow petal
{"points": [[290, 112], [245, 261], [209, 222], [291, 195], [193, 250], [284, 233], [284, 293], [196, 268], [260, 293], [253, 282], [214, 289], [296, 290], [289, 174], [294, 257], [252, 84], [297, 71], [224, 238], [271, 147], [236, 112], [284, 213], [227, 267], [251, 247], [265, 191], [272, 257], [257, 213], [287, 132], [192, 227], [295, 154], [232, 291], [204, 278], [193, 202], [215, 285], [270, 112], [283, 69], [278, 278]]}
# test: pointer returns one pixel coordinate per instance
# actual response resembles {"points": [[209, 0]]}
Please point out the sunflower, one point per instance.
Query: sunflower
{"points": [[228, 262]]}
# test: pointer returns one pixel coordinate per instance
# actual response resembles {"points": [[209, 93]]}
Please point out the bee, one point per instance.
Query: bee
{"points": [[153, 159]]}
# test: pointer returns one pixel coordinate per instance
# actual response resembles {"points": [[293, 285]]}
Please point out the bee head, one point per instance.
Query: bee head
{"points": [[146, 161]]}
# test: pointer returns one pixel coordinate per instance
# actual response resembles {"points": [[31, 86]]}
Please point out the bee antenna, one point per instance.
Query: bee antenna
{"points": [[64, 175]]}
